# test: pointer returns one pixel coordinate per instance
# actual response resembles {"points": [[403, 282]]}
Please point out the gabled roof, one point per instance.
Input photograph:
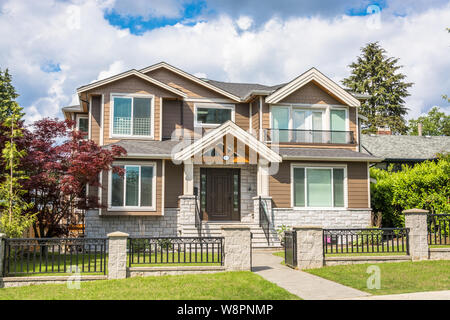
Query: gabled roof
{"points": [[132, 72], [190, 77], [242, 90], [392, 147], [313, 75], [228, 127]]}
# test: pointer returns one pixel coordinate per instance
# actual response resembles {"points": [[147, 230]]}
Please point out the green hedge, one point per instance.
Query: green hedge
{"points": [[425, 185]]}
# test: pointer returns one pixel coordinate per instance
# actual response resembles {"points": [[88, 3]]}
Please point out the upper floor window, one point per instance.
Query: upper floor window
{"points": [[132, 116], [82, 124], [213, 114]]}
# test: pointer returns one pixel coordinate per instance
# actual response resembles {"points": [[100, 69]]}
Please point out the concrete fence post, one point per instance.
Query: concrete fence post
{"points": [[237, 247], [416, 221], [309, 247], [117, 255], [2, 252]]}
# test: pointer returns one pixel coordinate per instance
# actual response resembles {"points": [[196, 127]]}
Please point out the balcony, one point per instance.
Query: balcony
{"points": [[298, 136]]}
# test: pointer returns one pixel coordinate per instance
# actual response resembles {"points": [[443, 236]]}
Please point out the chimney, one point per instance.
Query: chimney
{"points": [[384, 131], [419, 128]]}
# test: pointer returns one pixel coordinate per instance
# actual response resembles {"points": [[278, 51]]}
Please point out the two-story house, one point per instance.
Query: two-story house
{"points": [[203, 153]]}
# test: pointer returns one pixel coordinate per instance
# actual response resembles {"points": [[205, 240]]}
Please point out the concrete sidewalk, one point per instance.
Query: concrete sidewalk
{"points": [[302, 284], [430, 295]]}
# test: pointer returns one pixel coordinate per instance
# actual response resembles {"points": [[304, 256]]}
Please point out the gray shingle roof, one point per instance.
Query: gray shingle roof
{"points": [[317, 153], [404, 147], [242, 89], [149, 148]]}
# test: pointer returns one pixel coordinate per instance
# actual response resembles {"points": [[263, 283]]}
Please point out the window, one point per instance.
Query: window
{"points": [[318, 187], [213, 114], [82, 124], [132, 116], [136, 189], [338, 123]]}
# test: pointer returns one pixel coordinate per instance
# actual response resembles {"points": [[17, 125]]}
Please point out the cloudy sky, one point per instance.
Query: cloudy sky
{"points": [[54, 46]]}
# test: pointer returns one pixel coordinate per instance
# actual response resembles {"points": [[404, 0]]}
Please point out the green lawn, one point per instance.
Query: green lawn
{"points": [[218, 286], [398, 277]]}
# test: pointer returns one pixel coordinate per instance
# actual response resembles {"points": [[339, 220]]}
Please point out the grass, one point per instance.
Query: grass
{"points": [[399, 277], [171, 259], [218, 286]]}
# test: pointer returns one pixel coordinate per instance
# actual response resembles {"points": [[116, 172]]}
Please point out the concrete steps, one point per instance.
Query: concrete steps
{"points": [[214, 229]]}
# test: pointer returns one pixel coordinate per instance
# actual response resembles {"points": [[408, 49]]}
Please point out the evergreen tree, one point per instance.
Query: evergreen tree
{"points": [[14, 220], [377, 75], [8, 96]]}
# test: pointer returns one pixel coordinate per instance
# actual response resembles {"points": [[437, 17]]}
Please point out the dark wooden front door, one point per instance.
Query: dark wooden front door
{"points": [[220, 192]]}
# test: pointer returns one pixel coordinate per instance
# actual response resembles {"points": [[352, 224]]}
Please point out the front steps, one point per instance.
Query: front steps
{"points": [[214, 229]]}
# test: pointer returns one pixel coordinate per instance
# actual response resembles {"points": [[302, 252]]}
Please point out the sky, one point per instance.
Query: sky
{"points": [[52, 47]]}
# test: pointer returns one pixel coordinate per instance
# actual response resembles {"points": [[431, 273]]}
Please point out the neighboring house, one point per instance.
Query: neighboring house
{"points": [[294, 145], [398, 150]]}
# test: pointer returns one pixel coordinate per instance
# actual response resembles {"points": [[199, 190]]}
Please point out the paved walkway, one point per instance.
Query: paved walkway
{"points": [[430, 295], [302, 284]]}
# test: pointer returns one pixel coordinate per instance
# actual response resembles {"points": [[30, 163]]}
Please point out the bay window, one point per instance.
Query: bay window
{"points": [[320, 187], [135, 189], [132, 116]]}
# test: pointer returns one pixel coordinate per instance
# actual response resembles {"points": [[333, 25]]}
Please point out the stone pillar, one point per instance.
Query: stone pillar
{"points": [[416, 221], [268, 204], [187, 210], [117, 255], [237, 247], [2, 252], [309, 247], [188, 178]]}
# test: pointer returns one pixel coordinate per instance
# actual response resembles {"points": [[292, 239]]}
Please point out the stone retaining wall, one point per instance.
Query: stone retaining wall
{"points": [[439, 254], [335, 261]]}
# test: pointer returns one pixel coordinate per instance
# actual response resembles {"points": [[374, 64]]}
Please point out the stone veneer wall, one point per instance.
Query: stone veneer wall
{"points": [[248, 181], [162, 226], [323, 218]]}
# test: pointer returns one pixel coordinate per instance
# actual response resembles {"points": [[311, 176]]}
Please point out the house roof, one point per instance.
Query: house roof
{"points": [[392, 147], [313, 75], [146, 148], [325, 154], [242, 90], [128, 73]]}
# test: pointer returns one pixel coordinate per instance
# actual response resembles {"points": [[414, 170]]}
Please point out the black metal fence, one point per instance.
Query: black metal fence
{"points": [[290, 248], [438, 229], [28, 256], [370, 241], [175, 250]]}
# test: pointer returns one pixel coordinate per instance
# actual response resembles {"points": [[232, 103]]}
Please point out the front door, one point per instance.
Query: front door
{"points": [[220, 194]]}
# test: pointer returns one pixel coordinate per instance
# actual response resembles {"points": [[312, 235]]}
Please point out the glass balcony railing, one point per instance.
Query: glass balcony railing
{"points": [[308, 136]]}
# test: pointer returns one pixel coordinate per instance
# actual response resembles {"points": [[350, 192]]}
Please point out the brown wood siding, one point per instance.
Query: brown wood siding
{"points": [[96, 118], [266, 116], [131, 85], [241, 115], [192, 89], [171, 117], [279, 186], [255, 116], [311, 93], [173, 184], [158, 211], [358, 193]]}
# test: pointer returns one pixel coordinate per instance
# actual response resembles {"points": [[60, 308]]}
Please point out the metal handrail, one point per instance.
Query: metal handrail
{"points": [[264, 221], [308, 136], [198, 218]]}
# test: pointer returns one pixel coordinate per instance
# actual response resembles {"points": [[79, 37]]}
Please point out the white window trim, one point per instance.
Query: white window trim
{"points": [[77, 122], [212, 106], [318, 166], [131, 96], [133, 208], [311, 107]]}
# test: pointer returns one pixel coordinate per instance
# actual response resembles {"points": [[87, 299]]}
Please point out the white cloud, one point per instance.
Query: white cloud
{"points": [[33, 33], [244, 22]]}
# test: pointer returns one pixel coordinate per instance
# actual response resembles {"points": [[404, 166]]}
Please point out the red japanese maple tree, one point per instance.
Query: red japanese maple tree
{"points": [[60, 163]]}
